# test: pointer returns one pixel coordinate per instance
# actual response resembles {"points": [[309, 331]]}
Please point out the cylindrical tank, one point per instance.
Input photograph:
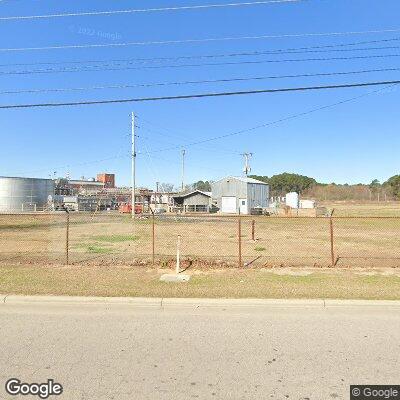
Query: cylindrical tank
{"points": [[292, 200], [24, 194]]}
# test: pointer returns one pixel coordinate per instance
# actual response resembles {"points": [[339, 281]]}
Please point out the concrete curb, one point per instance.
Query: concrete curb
{"points": [[192, 303], [134, 301], [178, 302], [363, 303]]}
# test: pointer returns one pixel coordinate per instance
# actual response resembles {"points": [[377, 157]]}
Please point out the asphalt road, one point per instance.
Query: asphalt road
{"points": [[117, 351]]}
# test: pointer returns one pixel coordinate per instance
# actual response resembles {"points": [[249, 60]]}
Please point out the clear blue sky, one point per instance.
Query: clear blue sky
{"points": [[354, 142]]}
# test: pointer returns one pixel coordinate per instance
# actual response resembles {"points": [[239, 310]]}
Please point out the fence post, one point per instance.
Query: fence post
{"points": [[67, 239], [331, 232], [240, 240], [178, 255], [253, 229], [153, 236]]}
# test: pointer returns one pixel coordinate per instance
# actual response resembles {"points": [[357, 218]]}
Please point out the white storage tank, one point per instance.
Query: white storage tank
{"points": [[292, 200], [24, 194]]}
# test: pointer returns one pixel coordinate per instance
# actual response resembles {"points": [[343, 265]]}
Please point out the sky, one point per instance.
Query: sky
{"points": [[352, 142]]}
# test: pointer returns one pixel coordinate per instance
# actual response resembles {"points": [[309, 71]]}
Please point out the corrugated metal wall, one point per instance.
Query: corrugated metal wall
{"points": [[197, 200], [257, 194], [229, 187], [16, 192]]}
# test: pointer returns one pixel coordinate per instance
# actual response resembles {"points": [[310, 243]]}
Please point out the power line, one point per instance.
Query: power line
{"points": [[201, 95], [295, 50], [204, 40], [160, 130], [119, 67], [276, 122], [145, 10], [247, 130], [181, 83]]}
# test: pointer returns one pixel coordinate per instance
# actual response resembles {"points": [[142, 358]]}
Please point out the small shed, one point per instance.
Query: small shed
{"points": [[234, 195], [307, 204], [195, 201]]}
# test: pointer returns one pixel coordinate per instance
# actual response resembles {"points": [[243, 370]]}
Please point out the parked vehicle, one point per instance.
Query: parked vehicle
{"points": [[127, 208]]}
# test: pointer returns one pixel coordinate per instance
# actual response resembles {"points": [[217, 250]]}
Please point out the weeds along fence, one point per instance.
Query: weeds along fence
{"points": [[209, 241]]}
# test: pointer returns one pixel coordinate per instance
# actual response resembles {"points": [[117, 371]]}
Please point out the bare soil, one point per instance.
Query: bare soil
{"points": [[207, 242]]}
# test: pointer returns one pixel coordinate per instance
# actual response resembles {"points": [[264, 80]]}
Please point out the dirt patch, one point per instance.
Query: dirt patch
{"points": [[206, 242]]}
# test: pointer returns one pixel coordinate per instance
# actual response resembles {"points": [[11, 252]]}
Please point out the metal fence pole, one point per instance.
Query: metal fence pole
{"points": [[253, 229], [332, 239], [67, 239], [178, 255], [153, 236], [240, 240]]}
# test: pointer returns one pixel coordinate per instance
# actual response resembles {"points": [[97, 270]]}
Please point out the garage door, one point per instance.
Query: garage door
{"points": [[228, 205]]}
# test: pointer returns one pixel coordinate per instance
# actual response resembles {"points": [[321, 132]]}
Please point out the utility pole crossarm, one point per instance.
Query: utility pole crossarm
{"points": [[247, 168]]}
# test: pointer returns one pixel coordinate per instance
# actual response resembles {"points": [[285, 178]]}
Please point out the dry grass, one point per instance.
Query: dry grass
{"points": [[254, 283], [365, 209], [117, 240]]}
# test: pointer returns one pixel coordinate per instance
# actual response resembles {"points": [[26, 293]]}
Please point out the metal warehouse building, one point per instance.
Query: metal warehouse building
{"points": [[195, 201], [24, 194], [235, 194]]}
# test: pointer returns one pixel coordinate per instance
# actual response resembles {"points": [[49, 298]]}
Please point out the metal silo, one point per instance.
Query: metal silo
{"points": [[24, 194]]}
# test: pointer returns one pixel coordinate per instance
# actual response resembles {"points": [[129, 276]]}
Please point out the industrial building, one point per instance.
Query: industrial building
{"points": [[108, 180], [231, 195], [195, 201], [84, 186], [25, 194], [73, 187], [84, 203], [234, 195]]}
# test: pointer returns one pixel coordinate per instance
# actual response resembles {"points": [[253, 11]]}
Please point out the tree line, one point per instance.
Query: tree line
{"points": [[283, 183], [308, 187]]}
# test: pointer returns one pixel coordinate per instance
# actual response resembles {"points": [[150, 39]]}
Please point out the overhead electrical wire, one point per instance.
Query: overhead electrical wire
{"points": [[295, 50], [203, 40], [198, 95], [162, 136], [206, 81], [120, 67], [277, 121], [243, 131], [146, 10]]}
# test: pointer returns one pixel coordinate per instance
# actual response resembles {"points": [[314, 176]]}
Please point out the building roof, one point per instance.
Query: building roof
{"points": [[25, 178], [183, 195], [85, 183], [243, 179]]}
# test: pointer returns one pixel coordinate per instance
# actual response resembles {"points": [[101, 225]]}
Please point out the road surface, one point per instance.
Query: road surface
{"points": [[122, 351]]}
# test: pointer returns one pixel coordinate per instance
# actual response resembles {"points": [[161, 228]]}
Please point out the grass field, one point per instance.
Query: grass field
{"points": [[253, 283], [207, 242], [365, 209]]}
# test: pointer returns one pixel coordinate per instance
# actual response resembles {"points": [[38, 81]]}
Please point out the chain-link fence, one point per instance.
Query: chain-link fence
{"points": [[205, 241]]}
